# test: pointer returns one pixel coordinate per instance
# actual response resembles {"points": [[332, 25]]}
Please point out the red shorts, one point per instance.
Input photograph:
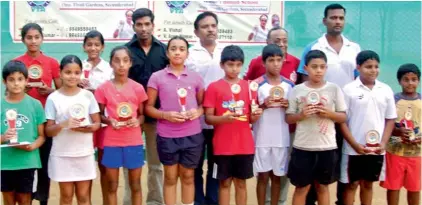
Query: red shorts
{"points": [[402, 171], [99, 138]]}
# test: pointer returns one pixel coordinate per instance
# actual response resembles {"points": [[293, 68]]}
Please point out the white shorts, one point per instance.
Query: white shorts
{"points": [[271, 158], [72, 169]]}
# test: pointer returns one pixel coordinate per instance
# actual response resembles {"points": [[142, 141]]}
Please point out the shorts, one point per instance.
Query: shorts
{"points": [[402, 172], [361, 167], [186, 151], [130, 157], [72, 169], [19, 181], [307, 167], [271, 159], [233, 166]]}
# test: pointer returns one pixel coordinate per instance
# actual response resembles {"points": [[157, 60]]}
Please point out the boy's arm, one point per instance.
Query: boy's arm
{"points": [[37, 143], [390, 118], [211, 119], [256, 115], [388, 129], [360, 149]]}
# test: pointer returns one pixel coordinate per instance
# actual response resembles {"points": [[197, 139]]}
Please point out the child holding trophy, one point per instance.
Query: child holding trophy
{"points": [[271, 132], [72, 117], [228, 108], [122, 99], [21, 136], [371, 115], [179, 134], [403, 157], [315, 106]]}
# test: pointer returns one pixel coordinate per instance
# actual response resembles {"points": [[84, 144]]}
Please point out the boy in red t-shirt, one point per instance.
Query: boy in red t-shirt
{"points": [[227, 108]]}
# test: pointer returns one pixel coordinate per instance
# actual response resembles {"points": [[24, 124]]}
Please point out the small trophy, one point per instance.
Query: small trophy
{"points": [[11, 116], [34, 75], [253, 94], [238, 109], [313, 98], [372, 139], [182, 93], [79, 112], [124, 111], [408, 123], [276, 94], [87, 69]]}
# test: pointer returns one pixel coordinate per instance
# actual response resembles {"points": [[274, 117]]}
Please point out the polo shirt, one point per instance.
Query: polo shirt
{"points": [[167, 83], [341, 66], [50, 71], [367, 110]]}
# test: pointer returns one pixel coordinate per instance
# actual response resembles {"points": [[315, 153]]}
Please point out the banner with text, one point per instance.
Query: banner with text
{"points": [[240, 22]]}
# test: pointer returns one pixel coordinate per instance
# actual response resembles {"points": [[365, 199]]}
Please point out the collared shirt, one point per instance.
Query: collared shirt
{"points": [[288, 70], [50, 71], [207, 65], [143, 65], [99, 74], [167, 84], [341, 66], [367, 110]]}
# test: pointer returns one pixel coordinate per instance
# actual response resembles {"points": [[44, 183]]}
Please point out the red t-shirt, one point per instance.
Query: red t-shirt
{"points": [[132, 93], [288, 70], [233, 138], [50, 70]]}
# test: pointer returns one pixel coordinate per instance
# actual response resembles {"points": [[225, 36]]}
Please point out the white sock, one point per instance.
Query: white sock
{"points": [[187, 204]]}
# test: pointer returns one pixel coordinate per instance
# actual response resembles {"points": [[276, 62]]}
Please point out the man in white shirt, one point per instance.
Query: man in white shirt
{"points": [[125, 28], [341, 62], [204, 58], [259, 33]]}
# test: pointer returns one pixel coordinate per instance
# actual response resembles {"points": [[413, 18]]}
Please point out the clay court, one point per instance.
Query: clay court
{"points": [[379, 192]]}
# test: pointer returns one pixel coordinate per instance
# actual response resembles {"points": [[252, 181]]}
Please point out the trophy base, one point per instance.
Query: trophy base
{"points": [[238, 111], [35, 84], [121, 124], [254, 107], [373, 148]]}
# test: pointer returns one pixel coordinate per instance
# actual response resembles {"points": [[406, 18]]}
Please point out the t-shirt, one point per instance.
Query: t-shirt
{"points": [[50, 71], [69, 143], [271, 129], [403, 105], [233, 138], [132, 93], [167, 85], [367, 110], [30, 115], [316, 133]]}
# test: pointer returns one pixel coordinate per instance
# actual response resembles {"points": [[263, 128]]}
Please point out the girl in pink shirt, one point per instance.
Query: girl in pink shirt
{"points": [[179, 137], [122, 99]]}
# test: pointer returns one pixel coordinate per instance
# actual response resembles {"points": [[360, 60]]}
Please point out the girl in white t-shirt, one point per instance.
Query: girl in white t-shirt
{"points": [[72, 116]]}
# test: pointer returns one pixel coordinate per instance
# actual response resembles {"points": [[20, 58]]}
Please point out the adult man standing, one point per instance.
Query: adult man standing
{"points": [[278, 36], [341, 61], [148, 56], [204, 58]]}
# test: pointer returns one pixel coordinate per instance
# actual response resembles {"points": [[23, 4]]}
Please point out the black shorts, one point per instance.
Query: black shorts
{"points": [[184, 150], [362, 167], [19, 181], [233, 166], [307, 167]]}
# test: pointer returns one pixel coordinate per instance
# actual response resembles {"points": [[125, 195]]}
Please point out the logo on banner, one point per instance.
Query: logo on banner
{"points": [[177, 6], [38, 6]]}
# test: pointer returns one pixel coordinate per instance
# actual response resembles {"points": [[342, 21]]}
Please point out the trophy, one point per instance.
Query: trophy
{"points": [[11, 116], [34, 75], [313, 98], [182, 93], [276, 94], [124, 112], [253, 94], [372, 139], [87, 69], [408, 123], [79, 112], [239, 104]]}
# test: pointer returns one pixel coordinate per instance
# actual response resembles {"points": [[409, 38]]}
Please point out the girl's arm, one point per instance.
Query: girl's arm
{"points": [[195, 113], [96, 124], [153, 112]]}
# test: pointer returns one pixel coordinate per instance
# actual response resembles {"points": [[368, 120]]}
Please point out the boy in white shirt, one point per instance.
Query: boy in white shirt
{"points": [[371, 117], [271, 132]]}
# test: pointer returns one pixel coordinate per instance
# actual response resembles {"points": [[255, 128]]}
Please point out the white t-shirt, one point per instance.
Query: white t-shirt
{"points": [[316, 133], [99, 74], [271, 129], [125, 30], [260, 35], [367, 110], [70, 143]]}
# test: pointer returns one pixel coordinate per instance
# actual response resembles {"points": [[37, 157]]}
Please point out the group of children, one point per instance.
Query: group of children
{"points": [[105, 109]]}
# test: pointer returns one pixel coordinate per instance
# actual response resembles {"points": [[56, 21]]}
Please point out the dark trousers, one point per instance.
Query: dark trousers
{"points": [[312, 195], [43, 183], [211, 189]]}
